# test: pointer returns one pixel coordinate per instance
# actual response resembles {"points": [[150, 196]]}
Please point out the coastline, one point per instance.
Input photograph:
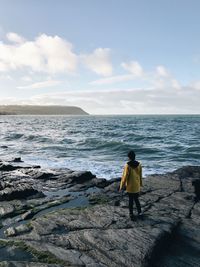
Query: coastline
{"points": [[76, 219]]}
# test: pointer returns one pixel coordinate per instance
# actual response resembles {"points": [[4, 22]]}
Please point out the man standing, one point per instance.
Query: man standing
{"points": [[132, 180]]}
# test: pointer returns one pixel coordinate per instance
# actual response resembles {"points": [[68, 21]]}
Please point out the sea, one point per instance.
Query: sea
{"points": [[100, 144]]}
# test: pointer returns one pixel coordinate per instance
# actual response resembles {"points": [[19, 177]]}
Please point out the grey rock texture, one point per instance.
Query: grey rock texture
{"points": [[81, 220]]}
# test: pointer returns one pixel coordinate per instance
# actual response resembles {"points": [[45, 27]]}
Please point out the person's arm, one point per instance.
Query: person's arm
{"points": [[124, 177], [141, 184]]}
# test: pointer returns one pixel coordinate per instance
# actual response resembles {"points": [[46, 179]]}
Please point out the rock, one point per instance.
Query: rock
{"points": [[102, 234], [26, 264], [101, 183], [196, 184], [21, 229], [17, 192], [98, 236], [2, 185], [81, 177], [17, 160], [27, 215], [10, 231], [7, 167], [6, 209], [44, 176], [188, 172], [36, 167]]}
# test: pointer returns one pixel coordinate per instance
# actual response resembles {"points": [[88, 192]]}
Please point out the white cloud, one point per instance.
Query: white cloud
{"points": [[113, 79], [43, 84], [162, 71], [99, 61], [50, 54], [133, 67], [175, 84], [26, 78], [3, 67], [15, 38], [159, 78], [164, 83], [58, 53], [195, 85], [164, 79], [6, 77], [118, 101]]}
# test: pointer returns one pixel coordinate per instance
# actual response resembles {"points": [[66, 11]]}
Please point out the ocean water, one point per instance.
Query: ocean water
{"points": [[100, 143]]}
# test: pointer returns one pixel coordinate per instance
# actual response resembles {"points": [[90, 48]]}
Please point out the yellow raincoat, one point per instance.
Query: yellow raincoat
{"points": [[132, 178]]}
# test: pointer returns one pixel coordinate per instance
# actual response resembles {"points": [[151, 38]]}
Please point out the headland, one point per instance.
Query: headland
{"points": [[40, 110]]}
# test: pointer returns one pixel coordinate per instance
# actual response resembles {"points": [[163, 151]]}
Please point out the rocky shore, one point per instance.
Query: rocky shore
{"points": [[69, 218]]}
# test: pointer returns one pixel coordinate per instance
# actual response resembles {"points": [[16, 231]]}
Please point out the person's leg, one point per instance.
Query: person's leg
{"points": [[137, 202], [130, 195]]}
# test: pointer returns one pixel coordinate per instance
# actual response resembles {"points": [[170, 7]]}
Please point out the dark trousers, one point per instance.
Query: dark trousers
{"points": [[135, 197]]}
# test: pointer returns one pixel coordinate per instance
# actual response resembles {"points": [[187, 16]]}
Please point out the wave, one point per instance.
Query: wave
{"points": [[37, 138], [100, 144], [13, 136]]}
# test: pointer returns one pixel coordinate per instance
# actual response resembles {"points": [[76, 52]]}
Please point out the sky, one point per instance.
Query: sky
{"points": [[105, 56]]}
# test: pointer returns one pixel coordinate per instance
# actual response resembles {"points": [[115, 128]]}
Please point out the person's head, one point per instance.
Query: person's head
{"points": [[131, 155]]}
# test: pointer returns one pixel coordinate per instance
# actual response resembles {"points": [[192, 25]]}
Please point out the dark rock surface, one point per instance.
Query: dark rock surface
{"points": [[69, 218]]}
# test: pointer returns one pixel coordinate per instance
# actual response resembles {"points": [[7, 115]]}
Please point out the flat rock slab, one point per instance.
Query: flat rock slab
{"points": [[103, 235]]}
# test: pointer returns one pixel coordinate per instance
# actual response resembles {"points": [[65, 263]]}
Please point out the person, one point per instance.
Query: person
{"points": [[132, 181]]}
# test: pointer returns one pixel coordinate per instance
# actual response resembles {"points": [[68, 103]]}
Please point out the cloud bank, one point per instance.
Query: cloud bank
{"points": [[52, 57], [117, 101]]}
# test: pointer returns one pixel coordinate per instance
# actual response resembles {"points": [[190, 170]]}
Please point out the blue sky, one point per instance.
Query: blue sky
{"points": [[108, 57]]}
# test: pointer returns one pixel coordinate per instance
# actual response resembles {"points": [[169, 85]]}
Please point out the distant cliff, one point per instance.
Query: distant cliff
{"points": [[40, 110]]}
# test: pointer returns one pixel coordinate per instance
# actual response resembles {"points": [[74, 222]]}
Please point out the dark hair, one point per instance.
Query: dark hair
{"points": [[131, 155]]}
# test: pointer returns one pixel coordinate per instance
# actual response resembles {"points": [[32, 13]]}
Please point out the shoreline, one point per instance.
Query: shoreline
{"points": [[77, 219]]}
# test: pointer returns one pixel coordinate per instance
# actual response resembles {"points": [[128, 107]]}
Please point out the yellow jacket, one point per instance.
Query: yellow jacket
{"points": [[132, 178]]}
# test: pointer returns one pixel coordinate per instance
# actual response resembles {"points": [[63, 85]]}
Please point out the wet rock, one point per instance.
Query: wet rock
{"points": [[196, 184], [17, 160], [19, 191], [8, 167], [44, 176], [4, 147], [36, 167], [100, 182], [81, 177]]}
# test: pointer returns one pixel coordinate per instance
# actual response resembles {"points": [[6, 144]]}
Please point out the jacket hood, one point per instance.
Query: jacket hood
{"points": [[133, 164]]}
